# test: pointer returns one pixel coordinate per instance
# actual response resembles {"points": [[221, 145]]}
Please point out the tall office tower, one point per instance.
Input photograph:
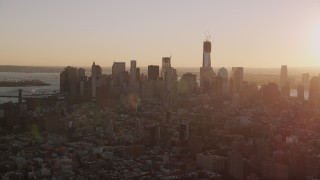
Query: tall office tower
{"points": [[81, 73], [300, 92], [170, 87], [69, 80], [82, 79], [166, 65], [206, 72], [96, 70], [218, 87], [138, 74], [305, 80], [283, 75], [133, 71], [206, 62], [63, 87], [153, 72], [223, 72], [117, 69], [187, 83], [94, 80], [237, 79], [314, 90]]}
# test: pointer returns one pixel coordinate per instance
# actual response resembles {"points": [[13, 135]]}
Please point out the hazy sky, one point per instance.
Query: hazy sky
{"points": [[250, 33]]}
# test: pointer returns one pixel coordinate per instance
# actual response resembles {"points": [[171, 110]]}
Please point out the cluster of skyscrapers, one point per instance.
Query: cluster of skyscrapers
{"points": [[122, 86], [161, 85], [158, 85]]}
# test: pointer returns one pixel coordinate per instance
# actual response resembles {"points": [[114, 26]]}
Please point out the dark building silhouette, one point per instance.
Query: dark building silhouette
{"points": [[300, 92], [118, 69], [249, 94], [206, 61], [96, 72], [218, 87], [187, 83], [138, 74], [81, 74], [133, 71], [223, 72], [305, 80], [283, 75], [270, 93], [166, 66], [285, 90], [314, 90], [184, 131], [237, 79], [69, 81], [153, 72], [297, 166], [206, 72]]}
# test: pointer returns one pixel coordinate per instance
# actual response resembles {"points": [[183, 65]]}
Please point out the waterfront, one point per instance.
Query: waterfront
{"points": [[51, 78]]}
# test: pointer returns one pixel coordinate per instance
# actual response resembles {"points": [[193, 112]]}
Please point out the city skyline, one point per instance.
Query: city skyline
{"points": [[59, 34]]}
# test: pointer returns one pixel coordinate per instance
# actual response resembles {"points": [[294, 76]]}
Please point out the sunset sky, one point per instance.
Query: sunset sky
{"points": [[249, 33]]}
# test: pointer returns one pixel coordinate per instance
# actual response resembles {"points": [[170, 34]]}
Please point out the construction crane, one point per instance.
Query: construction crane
{"points": [[207, 36]]}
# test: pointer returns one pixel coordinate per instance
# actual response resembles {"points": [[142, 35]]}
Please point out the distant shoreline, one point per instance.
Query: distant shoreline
{"points": [[24, 83], [143, 69]]}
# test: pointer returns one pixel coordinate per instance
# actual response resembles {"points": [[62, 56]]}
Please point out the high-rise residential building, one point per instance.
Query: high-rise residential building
{"points": [[305, 80], [166, 65], [237, 79], [206, 72], [133, 71], [283, 75], [153, 72]]}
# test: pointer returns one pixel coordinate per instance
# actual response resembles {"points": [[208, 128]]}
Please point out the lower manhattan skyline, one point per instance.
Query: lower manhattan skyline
{"points": [[247, 33], [165, 90]]}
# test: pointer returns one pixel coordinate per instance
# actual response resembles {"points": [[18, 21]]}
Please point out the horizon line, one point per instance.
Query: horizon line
{"points": [[249, 67]]}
